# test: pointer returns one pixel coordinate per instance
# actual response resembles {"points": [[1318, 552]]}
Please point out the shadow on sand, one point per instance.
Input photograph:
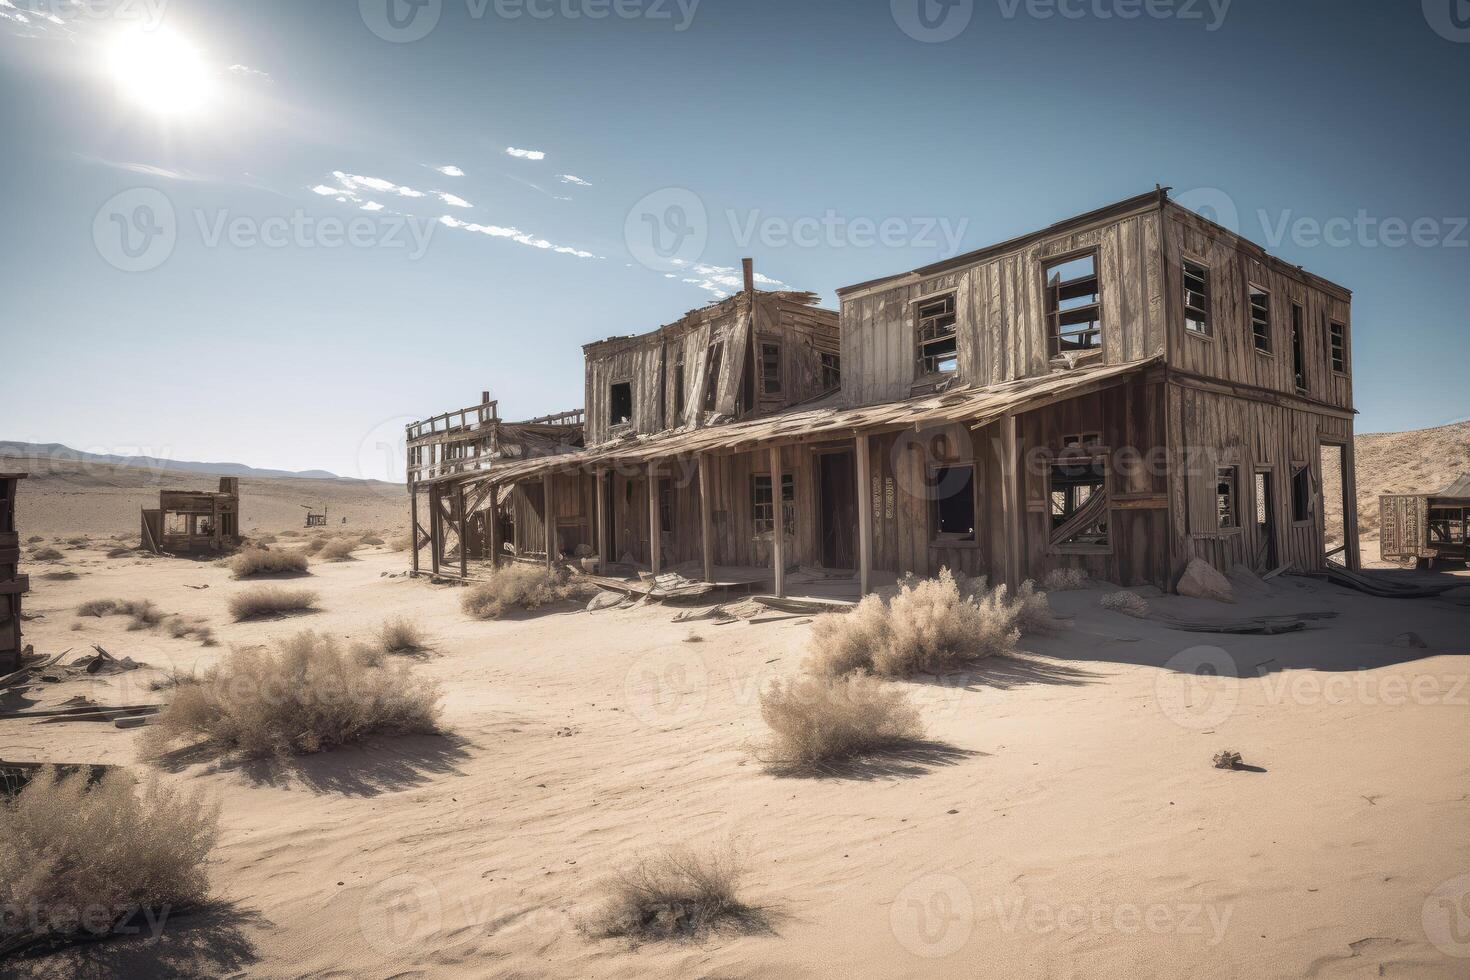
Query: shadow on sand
{"points": [[904, 760]]}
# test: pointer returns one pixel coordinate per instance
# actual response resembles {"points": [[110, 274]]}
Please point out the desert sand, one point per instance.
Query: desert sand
{"points": [[1066, 820]]}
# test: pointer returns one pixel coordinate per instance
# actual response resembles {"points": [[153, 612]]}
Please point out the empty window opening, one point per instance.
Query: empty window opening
{"points": [[666, 505], [1337, 341], [712, 377], [761, 508], [770, 368], [1332, 462], [1226, 497], [1301, 493], [831, 372], [1079, 439], [1261, 319], [1078, 501], [938, 353], [1073, 305], [1196, 298], [954, 503], [175, 523], [1298, 350], [620, 403]]}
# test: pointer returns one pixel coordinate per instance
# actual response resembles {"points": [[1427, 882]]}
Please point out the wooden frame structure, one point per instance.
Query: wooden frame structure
{"points": [[1155, 429], [194, 520], [13, 585], [1426, 527]]}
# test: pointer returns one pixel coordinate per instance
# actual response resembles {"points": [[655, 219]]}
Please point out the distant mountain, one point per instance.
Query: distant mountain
{"points": [[55, 450]]}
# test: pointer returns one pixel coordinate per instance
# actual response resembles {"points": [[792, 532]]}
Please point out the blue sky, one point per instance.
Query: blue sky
{"points": [[794, 132]]}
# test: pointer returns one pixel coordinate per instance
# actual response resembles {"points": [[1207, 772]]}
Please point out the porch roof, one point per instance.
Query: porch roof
{"points": [[972, 404]]}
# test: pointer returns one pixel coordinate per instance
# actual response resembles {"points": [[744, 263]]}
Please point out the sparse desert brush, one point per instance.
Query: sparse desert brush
{"points": [[371, 540], [46, 554], [265, 600], [339, 549], [678, 895], [817, 720], [304, 696], [516, 587], [119, 552], [401, 542], [97, 607], [79, 859], [180, 628], [401, 636], [60, 576], [144, 613], [261, 561], [77, 542], [931, 626], [1127, 603], [1065, 580], [34, 539]]}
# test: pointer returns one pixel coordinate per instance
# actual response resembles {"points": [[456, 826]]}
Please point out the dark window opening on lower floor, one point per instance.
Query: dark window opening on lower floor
{"points": [[666, 505], [761, 507], [620, 403], [1301, 493], [1079, 503], [1225, 497], [954, 503]]}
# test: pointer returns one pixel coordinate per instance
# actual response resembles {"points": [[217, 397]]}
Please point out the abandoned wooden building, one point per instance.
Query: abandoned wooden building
{"points": [[1121, 392], [13, 585], [1426, 527], [194, 520]]}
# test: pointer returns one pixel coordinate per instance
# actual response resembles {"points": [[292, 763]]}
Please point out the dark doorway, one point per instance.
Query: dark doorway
{"points": [[1265, 522], [838, 505]]}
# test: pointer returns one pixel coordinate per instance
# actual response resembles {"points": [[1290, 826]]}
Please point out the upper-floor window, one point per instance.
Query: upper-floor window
{"points": [[1337, 346], [1298, 347], [831, 372], [770, 368], [1196, 298], [712, 376], [1073, 305], [938, 352], [1260, 319], [620, 403]]}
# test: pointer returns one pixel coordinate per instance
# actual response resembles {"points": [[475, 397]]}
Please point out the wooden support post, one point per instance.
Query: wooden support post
{"points": [[464, 519], [604, 556], [864, 514], [706, 518], [413, 523], [1012, 513], [548, 514], [492, 527], [436, 530], [1350, 508], [655, 532], [778, 525]]}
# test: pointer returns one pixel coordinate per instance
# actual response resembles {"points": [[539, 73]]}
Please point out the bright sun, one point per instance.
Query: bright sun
{"points": [[159, 71]]}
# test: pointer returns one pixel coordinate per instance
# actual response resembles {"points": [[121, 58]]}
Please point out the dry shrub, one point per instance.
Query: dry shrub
{"points": [[34, 539], [145, 615], [401, 636], [371, 540], [338, 549], [262, 561], [97, 607], [78, 859], [817, 720], [678, 895], [266, 539], [265, 600], [1065, 580], [180, 628], [77, 542], [119, 552], [1127, 603], [401, 542], [516, 587], [303, 697], [60, 576], [931, 626], [46, 554]]}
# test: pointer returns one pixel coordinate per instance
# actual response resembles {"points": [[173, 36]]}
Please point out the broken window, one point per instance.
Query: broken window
{"points": [[679, 386], [175, 523], [1301, 493], [1078, 500], [954, 503], [1226, 495], [1196, 298], [831, 372], [1073, 305], [1298, 350], [1261, 319], [770, 368], [938, 353], [712, 377], [1337, 343], [620, 403], [761, 509]]}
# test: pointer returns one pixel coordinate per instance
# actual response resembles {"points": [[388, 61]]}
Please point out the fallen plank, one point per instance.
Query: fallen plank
{"points": [[1254, 625], [804, 606], [1381, 587]]}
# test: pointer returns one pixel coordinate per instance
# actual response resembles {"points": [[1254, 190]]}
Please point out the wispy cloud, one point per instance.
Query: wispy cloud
{"points": [[372, 206], [515, 235], [454, 200], [247, 72], [537, 187], [572, 179], [721, 280], [512, 151], [450, 171]]}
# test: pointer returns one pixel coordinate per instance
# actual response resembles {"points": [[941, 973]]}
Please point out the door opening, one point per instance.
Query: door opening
{"points": [[1265, 522], [838, 505], [1334, 504]]}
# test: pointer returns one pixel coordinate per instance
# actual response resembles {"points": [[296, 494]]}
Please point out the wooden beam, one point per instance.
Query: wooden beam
{"points": [[600, 488], [863, 460], [436, 530], [413, 523], [706, 518], [655, 532], [778, 525], [548, 520], [1350, 507], [492, 527], [464, 551], [1012, 513]]}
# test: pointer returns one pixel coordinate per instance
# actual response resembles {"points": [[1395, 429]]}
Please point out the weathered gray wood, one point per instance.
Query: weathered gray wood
{"points": [[778, 529], [548, 510], [864, 514], [602, 544], [706, 518], [1011, 499], [655, 532]]}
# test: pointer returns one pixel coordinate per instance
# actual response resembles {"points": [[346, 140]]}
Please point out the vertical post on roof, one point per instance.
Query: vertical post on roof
{"points": [[655, 532], [778, 524], [1010, 495], [464, 521], [492, 527], [864, 515], [706, 518], [548, 520], [749, 267], [600, 506]]}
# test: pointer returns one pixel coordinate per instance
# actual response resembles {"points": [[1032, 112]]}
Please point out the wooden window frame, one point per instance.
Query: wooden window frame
{"points": [[937, 540], [1301, 467], [1251, 289], [714, 364], [1299, 348], [770, 522], [920, 342], [1337, 353], [632, 402], [1091, 454], [1206, 292], [1052, 318], [1234, 470], [834, 367], [761, 343]]}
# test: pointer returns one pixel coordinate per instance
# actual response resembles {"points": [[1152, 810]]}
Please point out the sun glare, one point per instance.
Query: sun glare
{"points": [[159, 71]]}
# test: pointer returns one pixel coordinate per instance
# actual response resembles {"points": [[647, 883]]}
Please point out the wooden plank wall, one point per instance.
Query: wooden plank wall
{"points": [[1000, 308]]}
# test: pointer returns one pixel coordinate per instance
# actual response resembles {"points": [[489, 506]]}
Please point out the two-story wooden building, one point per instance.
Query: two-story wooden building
{"points": [[1120, 392]]}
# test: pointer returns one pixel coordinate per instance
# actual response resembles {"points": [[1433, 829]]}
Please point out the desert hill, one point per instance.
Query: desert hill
{"points": [[1416, 461]]}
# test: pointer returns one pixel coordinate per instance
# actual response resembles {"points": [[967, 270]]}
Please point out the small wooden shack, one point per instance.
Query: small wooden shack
{"points": [[194, 520], [1425, 527], [12, 584]]}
